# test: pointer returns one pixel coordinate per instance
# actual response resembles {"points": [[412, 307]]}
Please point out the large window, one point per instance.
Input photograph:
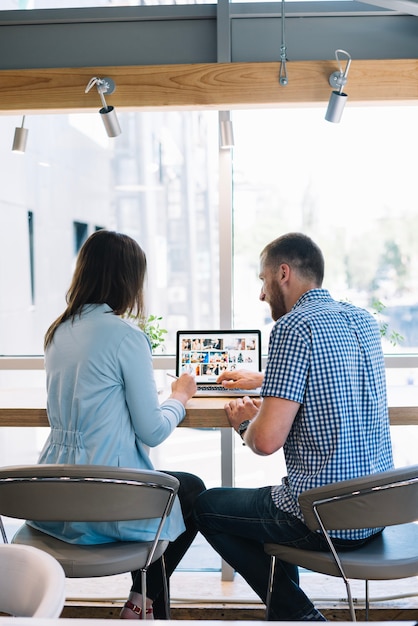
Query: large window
{"points": [[71, 4], [158, 182], [348, 187]]}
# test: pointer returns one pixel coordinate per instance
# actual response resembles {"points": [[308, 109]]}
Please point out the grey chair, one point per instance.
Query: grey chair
{"points": [[89, 493], [387, 499], [32, 583]]}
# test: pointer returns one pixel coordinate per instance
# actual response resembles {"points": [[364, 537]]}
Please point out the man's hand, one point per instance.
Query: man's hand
{"points": [[241, 379], [271, 421], [242, 409]]}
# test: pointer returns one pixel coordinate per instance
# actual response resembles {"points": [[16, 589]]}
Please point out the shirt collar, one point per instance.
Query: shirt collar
{"points": [[312, 294], [86, 309]]}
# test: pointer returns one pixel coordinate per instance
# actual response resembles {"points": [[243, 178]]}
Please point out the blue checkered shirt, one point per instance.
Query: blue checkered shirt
{"points": [[327, 356]]}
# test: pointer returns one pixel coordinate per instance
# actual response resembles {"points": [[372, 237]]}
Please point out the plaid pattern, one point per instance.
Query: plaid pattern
{"points": [[327, 356]]}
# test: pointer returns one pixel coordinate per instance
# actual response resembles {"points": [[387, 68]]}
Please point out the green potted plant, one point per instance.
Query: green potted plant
{"points": [[151, 327], [391, 335]]}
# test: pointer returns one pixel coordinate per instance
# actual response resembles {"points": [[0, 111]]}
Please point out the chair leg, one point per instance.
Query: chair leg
{"points": [[366, 596], [3, 532], [350, 600], [144, 593], [165, 589], [270, 586]]}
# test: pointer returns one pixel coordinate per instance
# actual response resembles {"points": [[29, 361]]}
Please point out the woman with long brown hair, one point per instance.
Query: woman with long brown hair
{"points": [[102, 401]]}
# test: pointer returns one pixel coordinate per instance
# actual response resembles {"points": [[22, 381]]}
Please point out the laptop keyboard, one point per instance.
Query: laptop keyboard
{"points": [[211, 387], [222, 389]]}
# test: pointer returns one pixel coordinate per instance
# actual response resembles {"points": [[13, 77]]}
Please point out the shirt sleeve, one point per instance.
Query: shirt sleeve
{"points": [[287, 365], [152, 422]]}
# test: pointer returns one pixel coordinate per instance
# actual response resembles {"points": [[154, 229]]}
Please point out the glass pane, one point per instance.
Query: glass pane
{"points": [[352, 187], [344, 185], [276, 1], [66, 4], [73, 4], [157, 182]]}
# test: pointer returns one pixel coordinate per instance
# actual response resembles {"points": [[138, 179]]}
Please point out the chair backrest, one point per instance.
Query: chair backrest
{"points": [[32, 582], [88, 493], [382, 499]]}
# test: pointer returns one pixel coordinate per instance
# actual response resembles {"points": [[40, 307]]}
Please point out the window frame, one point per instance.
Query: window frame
{"points": [[187, 85]]}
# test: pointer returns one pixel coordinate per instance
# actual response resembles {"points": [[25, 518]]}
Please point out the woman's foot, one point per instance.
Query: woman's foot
{"points": [[132, 609]]}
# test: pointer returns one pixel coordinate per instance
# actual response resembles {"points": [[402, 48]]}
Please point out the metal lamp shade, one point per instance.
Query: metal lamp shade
{"points": [[336, 106], [110, 121], [19, 140], [227, 134]]}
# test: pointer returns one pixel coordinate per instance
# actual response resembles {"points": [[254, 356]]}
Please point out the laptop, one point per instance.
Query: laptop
{"points": [[208, 353]]}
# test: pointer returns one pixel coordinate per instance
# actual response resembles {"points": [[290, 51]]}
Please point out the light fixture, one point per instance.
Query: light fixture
{"points": [[20, 138], [108, 113], [338, 98], [226, 130], [283, 80]]}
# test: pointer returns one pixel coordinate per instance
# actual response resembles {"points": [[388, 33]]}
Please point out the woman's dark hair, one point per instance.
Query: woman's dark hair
{"points": [[110, 269], [298, 251]]}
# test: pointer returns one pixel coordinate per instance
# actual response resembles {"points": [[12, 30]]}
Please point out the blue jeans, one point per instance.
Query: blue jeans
{"points": [[238, 522]]}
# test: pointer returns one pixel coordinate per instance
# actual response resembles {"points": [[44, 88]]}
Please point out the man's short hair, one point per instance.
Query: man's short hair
{"points": [[298, 251]]}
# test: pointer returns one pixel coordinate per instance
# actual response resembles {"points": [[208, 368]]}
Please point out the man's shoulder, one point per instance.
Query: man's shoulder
{"points": [[359, 314]]}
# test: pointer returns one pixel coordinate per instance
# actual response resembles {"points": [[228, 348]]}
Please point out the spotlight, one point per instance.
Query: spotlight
{"points": [[226, 130], [20, 138], [338, 98], [108, 113]]}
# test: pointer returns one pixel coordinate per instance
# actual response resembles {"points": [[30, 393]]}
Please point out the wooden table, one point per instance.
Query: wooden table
{"points": [[26, 408]]}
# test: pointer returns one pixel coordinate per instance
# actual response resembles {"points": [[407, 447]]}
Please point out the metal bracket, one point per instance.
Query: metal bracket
{"points": [[339, 78]]}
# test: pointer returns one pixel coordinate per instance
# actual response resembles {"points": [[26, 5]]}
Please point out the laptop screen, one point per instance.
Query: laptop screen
{"points": [[208, 353]]}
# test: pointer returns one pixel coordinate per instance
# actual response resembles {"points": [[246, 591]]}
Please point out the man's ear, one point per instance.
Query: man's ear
{"points": [[283, 273]]}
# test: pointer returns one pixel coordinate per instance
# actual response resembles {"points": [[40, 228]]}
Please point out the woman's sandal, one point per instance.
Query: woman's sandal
{"points": [[137, 610]]}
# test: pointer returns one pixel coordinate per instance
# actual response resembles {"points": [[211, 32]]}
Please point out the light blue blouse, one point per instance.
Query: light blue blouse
{"points": [[103, 409]]}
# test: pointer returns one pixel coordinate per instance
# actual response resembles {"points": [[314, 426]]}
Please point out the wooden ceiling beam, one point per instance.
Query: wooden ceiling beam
{"points": [[207, 86]]}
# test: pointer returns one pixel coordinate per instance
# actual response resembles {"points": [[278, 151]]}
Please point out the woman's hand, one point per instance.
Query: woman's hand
{"points": [[183, 388]]}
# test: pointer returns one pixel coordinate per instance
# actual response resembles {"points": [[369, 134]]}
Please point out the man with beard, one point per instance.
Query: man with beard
{"points": [[323, 400]]}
